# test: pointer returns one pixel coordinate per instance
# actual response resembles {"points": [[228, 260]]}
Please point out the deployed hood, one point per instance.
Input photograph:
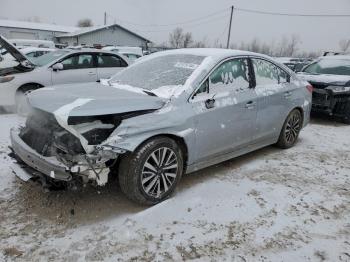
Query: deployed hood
{"points": [[338, 80], [22, 59], [92, 99]]}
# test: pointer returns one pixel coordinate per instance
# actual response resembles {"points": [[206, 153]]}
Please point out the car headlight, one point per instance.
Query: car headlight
{"points": [[5, 79]]}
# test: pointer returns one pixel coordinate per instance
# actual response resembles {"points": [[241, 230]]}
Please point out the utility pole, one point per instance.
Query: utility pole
{"points": [[105, 19], [229, 30]]}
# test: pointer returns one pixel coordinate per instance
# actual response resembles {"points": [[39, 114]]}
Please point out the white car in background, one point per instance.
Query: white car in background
{"points": [[132, 53], [58, 67], [7, 60]]}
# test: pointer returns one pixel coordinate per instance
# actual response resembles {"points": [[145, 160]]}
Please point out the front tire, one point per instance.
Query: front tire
{"points": [[290, 130], [150, 174]]}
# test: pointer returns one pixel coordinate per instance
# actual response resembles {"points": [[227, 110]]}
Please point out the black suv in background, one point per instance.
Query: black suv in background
{"points": [[330, 77]]}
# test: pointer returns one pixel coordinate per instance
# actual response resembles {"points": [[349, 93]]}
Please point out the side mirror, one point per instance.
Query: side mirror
{"points": [[57, 67]]}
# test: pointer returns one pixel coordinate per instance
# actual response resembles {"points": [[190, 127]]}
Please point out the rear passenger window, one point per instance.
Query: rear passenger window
{"points": [[267, 73], [106, 60]]}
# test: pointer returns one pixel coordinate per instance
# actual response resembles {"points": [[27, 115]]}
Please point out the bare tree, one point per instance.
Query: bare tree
{"points": [[176, 38], [188, 40], [344, 45], [85, 22], [292, 46]]}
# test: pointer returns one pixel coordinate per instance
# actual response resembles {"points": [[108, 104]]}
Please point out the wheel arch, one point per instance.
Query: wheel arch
{"points": [[30, 84], [180, 141]]}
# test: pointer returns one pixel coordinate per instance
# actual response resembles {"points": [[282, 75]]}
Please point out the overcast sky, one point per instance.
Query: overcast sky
{"points": [[315, 33]]}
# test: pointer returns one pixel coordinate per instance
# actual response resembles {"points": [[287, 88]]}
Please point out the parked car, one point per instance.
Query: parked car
{"points": [[32, 43], [34, 52], [330, 77], [295, 64], [54, 68], [132, 53], [170, 113]]}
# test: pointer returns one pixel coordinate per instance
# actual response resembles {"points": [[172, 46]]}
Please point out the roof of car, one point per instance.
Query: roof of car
{"points": [[28, 49], [214, 52], [336, 57]]}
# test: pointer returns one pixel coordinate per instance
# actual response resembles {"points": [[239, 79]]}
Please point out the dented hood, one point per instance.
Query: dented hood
{"points": [[99, 99]]}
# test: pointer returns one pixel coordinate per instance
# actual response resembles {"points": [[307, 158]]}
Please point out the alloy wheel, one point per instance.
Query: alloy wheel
{"points": [[159, 172], [293, 128]]}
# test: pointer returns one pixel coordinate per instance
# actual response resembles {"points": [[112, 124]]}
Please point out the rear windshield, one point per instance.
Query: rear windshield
{"points": [[167, 70], [329, 66], [48, 58]]}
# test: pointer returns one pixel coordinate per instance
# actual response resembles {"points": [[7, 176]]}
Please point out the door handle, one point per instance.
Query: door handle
{"points": [[210, 103], [250, 105], [91, 73]]}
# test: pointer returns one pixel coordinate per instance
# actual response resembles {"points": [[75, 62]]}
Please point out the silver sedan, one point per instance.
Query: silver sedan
{"points": [[170, 113]]}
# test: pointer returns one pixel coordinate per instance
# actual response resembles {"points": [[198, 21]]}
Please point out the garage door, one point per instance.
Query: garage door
{"points": [[22, 35]]}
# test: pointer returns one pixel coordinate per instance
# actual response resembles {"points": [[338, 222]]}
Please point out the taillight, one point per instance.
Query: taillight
{"points": [[310, 88]]}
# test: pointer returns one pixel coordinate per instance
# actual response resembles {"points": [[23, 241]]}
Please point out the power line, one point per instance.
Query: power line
{"points": [[175, 24], [190, 25], [289, 14]]}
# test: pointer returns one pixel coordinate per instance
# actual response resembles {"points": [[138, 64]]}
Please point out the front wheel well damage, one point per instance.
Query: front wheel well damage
{"points": [[178, 140]]}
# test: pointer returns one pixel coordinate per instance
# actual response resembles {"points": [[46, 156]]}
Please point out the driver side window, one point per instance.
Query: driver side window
{"points": [[231, 75]]}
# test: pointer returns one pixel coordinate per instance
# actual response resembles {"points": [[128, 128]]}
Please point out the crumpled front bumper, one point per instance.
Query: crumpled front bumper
{"points": [[48, 166]]}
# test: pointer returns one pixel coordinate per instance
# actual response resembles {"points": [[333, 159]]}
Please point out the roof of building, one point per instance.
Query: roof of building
{"points": [[37, 26], [97, 28]]}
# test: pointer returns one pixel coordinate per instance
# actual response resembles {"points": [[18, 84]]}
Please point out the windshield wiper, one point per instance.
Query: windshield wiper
{"points": [[149, 93]]}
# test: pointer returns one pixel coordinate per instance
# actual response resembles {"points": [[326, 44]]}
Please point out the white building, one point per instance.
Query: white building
{"points": [[99, 35], [34, 31], [114, 34]]}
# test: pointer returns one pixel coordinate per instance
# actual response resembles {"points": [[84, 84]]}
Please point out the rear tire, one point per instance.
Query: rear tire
{"points": [[346, 118], [150, 174], [290, 130]]}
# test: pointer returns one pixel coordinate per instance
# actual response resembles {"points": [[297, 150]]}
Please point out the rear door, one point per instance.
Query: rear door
{"points": [[109, 64], [274, 96], [225, 110], [77, 68]]}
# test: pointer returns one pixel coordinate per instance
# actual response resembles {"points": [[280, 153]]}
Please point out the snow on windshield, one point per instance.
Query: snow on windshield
{"points": [[168, 70], [329, 66]]}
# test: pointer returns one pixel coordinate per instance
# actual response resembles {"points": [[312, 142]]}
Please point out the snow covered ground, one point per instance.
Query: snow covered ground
{"points": [[270, 205]]}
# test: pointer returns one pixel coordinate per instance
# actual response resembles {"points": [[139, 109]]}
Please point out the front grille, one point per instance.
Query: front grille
{"points": [[318, 98], [43, 133]]}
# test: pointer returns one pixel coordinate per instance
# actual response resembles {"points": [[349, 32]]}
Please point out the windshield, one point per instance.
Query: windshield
{"points": [[167, 70], [329, 66], [48, 58]]}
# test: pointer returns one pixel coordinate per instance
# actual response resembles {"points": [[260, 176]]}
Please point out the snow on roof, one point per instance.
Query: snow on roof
{"points": [[96, 28], [213, 52], [346, 57], [37, 26]]}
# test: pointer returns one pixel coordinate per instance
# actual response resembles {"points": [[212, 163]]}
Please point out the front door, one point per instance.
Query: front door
{"points": [[77, 68], [225, 107]]}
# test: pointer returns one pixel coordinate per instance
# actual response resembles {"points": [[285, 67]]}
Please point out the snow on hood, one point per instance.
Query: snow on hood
{"points": [[327, 79], [101, 100]]}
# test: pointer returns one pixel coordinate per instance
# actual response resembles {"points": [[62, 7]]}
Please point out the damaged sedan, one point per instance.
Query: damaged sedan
{"points": [[330, 78], [170, 113]]}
